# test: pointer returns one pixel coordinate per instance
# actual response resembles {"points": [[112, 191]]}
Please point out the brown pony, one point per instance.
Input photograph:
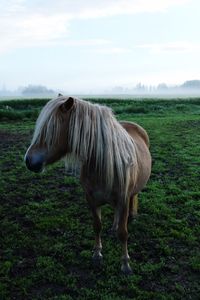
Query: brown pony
{"points": [[114, 158]]}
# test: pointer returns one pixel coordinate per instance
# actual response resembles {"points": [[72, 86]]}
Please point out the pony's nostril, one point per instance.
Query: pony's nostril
{"points": [[34, 163]]}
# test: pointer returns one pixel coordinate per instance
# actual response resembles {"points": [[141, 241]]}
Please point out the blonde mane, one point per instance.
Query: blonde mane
{"points": [[93, 134], [48, 123]]}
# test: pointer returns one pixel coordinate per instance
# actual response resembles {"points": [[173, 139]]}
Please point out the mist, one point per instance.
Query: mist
{"points": [[190, 88]]}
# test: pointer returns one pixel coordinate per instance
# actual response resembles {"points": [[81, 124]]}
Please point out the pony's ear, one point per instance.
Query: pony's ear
{"points": [[59, 95], [67, 105]]}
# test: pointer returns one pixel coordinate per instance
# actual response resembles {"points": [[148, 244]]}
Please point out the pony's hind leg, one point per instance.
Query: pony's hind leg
{"points": [[133, 206], [123, 237]]}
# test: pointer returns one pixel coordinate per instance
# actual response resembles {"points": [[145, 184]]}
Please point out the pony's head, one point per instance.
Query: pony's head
{"points": [[49, 143], [83, 133]]}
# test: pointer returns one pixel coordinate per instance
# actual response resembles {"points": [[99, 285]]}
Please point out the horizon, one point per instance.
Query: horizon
{"points": [[91, 46], [188, 88]]}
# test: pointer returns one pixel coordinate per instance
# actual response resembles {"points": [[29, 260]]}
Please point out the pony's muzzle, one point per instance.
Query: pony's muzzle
{"points": [[35, 162]]}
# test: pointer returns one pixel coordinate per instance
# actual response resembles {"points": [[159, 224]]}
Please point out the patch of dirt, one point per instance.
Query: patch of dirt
{"points": [[8, 139]]}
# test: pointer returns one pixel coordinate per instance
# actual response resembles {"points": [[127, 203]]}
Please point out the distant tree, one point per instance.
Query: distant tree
{"points": [[118, 89], [191, 84], [36, 90], [152, 89], [162, 87], [141, 87]]}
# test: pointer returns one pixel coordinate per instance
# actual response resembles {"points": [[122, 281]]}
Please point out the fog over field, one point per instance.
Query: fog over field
{"points": [[190, 88]]}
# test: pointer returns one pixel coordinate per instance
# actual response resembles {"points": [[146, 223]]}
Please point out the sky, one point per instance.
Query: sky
{"points": [[90, 45]]}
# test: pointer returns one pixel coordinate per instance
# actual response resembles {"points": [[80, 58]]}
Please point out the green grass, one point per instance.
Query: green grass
{"points": [[46, 235], [29, 109]]}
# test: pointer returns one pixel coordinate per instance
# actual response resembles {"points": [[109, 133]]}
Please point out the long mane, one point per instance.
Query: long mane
{"points": [[94, 135]]}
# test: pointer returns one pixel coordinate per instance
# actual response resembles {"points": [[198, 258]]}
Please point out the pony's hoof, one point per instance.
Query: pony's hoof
{"points": [[126, 270], [97, 259]]}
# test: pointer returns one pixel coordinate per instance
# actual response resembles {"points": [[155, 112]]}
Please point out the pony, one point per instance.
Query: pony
{"points": [[114, 159]]}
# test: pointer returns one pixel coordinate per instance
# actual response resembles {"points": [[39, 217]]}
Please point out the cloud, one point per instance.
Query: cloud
{"points": [[99, 9], [31, 30], [26, 23], [10, 7], [86, 42], [111, 50], [23, 26], [87, 9], [173, 47]]}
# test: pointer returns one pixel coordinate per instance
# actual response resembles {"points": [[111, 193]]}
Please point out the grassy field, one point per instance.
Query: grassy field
{"points": [[46, 235]]}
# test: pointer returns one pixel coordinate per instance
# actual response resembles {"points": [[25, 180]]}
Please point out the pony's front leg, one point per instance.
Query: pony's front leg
{"points": [[115, 221], [97, 256], [123, 237], [96, 212]]}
